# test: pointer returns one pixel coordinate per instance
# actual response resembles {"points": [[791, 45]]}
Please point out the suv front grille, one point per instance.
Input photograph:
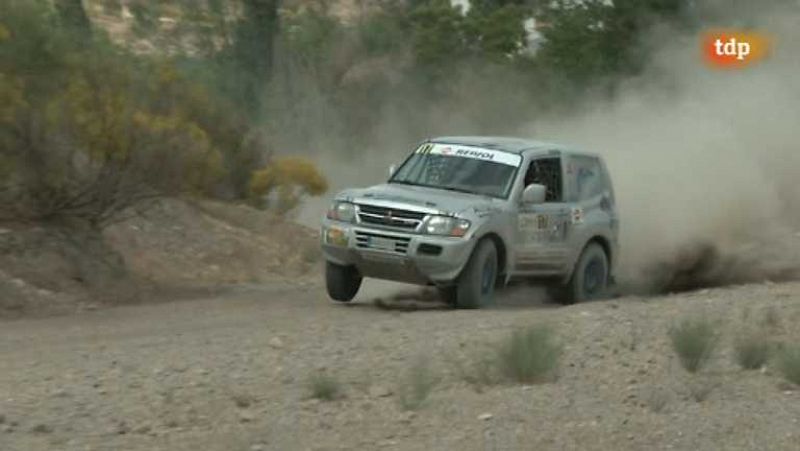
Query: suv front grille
{"points": [[381, 242], [389, 217]]}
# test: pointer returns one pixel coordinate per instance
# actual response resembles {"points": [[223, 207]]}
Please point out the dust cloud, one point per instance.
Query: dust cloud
{"points": [[706, 163]]}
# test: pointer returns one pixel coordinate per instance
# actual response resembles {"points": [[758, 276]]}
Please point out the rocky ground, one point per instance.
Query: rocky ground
{"points": [[231, 372]]}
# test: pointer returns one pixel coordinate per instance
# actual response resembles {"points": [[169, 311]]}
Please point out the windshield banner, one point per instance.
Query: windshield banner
{"points": [[477, 153]]}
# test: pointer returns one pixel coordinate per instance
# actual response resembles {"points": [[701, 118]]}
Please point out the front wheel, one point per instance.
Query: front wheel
{"points": [[589, 279], [475, 287], [342, 282]]}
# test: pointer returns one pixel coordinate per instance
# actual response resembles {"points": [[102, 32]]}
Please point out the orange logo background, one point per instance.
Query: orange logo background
{"points": [[732, 49]]}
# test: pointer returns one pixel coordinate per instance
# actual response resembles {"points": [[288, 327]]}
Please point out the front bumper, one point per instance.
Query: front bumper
{"points": [[395, 255]]}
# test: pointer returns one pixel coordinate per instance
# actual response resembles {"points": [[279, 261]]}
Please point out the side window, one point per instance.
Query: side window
{"points": [[589, 178], [547, 172]]}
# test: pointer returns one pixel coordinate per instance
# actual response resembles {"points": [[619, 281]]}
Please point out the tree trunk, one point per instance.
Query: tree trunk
{"points": [[254, 46], [73, 16]]}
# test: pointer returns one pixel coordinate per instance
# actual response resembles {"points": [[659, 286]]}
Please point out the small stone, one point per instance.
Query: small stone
{"points": [[246, 416], [41, 428], [122, 428], [258, 447], [485, 416], [276, 343], [60, 393], [379, 391], [387, 443]]}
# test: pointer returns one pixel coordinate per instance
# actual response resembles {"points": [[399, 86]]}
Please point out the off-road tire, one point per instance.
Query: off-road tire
{"points": [[342, 282], [589, 280], [448, 294], [476, 283]]}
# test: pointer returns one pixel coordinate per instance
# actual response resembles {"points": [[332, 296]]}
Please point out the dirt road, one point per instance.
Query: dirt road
{"points": [[231, 373]]}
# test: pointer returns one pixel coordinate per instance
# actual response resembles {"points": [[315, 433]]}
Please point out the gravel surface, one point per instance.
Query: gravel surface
{"points": [[232, 373]]}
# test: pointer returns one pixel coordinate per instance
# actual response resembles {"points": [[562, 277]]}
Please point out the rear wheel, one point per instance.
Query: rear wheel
{"points": [[589, 279], [342, 282], [476, 284]]}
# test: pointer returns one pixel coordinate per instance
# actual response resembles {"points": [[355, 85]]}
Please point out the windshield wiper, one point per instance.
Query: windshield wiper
{"points": [[404, 182], [459, 190]]}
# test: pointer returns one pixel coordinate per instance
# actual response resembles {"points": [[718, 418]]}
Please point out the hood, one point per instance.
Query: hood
{"points": [[420, 198]]}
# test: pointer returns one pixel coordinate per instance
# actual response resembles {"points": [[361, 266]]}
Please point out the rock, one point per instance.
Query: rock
{"points": [[60, 393], [258, 447], [276, 343], [42, 428], [121, 428], [246, 416], [485, 416], [379, 391], [143, 429]]}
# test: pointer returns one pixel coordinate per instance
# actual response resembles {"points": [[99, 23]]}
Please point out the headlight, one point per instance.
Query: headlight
{"points": [[446, 225], [342, 211]]}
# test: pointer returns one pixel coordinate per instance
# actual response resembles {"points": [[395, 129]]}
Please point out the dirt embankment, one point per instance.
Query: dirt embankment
{"points": [[175, 248]]}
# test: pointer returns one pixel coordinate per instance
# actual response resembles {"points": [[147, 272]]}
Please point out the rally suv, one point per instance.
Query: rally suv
{"points": [[469, 214]]}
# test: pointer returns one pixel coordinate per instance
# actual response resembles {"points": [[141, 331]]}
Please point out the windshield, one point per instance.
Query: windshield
{"points": [[466, 169]]}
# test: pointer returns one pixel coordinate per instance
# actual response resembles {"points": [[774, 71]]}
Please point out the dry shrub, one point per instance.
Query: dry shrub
{"points": [[285, 181], [752, 350], [417, 386], [530, 355], [324, 386], [789, 364], [694, 340]]}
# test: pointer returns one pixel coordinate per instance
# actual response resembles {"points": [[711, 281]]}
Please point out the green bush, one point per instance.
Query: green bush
{"points": [[417, 386], [324, 386], [530, 355], [694, 340], [113, 129], [752, 351], [789, 364]]}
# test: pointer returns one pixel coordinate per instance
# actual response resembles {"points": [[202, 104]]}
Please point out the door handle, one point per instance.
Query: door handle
{"points": [[605, 203]]}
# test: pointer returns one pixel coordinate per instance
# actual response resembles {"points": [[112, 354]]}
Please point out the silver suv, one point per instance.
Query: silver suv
{"points": [[469, 214]]}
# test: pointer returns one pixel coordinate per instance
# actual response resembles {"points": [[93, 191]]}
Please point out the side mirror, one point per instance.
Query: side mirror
{"points": [[392, 170], [534, 194]]}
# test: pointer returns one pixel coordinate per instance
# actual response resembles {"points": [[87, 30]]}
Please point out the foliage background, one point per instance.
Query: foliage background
{"points": [[110, 103]]}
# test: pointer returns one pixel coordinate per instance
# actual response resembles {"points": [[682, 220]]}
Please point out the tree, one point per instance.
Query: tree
{"points": [[595, 39], [253, 48], [73, 17]]}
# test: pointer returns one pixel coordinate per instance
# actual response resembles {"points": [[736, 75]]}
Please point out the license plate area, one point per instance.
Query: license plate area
{"points": [[382, 242]]}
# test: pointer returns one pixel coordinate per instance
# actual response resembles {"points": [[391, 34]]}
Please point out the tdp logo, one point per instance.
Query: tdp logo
{"points": [[734, 48]]}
